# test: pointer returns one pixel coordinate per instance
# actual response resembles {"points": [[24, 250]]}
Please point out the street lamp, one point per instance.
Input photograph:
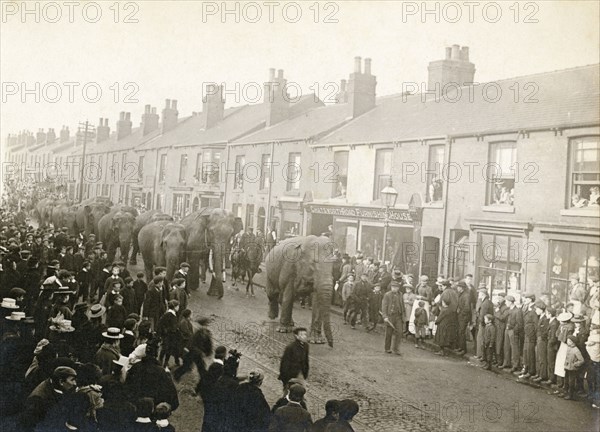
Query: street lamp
{"points": [[388, 197]]}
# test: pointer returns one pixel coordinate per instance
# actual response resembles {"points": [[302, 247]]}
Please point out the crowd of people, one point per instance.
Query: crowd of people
{"points": [[546, 342], [88, 346]]}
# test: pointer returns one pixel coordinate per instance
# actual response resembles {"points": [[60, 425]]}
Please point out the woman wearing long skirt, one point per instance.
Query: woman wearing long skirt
{"points": [[564, 331], [447, 329]]}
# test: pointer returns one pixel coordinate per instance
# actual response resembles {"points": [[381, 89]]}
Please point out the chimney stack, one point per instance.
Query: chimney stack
{"points": [[64, 134], [29, 138], [124, 125], [277, 97], [169, 115], [361, 88], [455, 68], [50, 136], [102, 130], [213, 105], [342, 96], [149, 120], [40, 137]]}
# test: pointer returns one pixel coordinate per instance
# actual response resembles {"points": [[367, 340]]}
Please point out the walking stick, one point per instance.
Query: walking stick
{"points": [[388, 322]]}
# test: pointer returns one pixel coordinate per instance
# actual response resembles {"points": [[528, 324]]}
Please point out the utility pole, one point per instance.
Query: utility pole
{"points": [[86, 130]]}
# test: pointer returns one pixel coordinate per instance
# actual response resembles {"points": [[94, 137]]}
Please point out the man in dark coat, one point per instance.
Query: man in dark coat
{"points": [[514, 324], [541, 347], [500, 317], [552, 344], [464, 316], [294, 362], [530, 320], [383, 279], [484, 307], [253, 413], [182, 273], [84, 278], [292, 417], [45, 396], [332, 408], [347, 410], [154, 305], [392, 310]]}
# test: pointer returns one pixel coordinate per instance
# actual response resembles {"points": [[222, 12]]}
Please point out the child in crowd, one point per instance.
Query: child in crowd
{"points": [[421, 323], [168, 330], [116, 314], [375, 306], [114, 289], [573, 361], [179, 293], [140, 287], [127, 344], [489, 341], [162, 414], [186, 330], [409, 299], [346, 293], [145, 409]]}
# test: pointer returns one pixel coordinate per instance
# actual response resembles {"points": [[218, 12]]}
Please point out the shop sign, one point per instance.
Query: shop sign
{"points": [[364, 213]]}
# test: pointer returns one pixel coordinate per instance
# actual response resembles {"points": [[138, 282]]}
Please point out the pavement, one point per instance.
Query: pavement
{"points": [[417, 391]]}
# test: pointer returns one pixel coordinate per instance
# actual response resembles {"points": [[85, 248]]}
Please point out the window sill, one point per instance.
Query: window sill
{"points": [[582, 212], [263, 191], [292, 193], [434, 205], [498, 209]]}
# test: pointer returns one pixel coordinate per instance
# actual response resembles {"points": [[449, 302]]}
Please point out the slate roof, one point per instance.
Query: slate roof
{"points": [[307, 125], [555, 99]]}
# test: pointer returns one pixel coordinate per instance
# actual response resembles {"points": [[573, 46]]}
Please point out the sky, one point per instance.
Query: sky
{"points": [[129, 54]]}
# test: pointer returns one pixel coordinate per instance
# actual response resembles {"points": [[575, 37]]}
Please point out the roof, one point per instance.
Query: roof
{"points": [[307, 125], [562, 98]]}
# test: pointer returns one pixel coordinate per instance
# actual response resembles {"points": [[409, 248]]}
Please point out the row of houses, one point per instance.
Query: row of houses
{"points": [[501, 180]]}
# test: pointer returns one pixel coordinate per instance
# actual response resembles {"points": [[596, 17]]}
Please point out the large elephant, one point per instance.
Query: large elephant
{"points": [[88, 216], [116, 231], [298, 263], [44, 211], [162, 243], [208, 229], [142, 220], [70, 221], [59, 210]]}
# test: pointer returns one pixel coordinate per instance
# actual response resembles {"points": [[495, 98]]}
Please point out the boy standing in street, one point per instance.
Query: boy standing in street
{"points": [[489, 341]]}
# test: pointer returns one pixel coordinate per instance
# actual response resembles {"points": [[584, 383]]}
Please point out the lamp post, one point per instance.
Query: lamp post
{"points": [[388, 198]]}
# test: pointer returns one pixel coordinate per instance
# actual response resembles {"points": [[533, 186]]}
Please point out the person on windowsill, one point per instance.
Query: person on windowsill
{"points": [[594, 196], [578, 202]]}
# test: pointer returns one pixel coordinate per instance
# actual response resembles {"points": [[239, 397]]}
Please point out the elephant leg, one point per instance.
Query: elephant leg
{"points": [[324, 306], [316, 336], [194, 261], [135, 251], [287, 304], [149, 269], [273, 297]]}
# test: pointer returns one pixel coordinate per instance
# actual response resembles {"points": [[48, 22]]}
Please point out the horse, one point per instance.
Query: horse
{"points": [[238, 261], [253, 255]]}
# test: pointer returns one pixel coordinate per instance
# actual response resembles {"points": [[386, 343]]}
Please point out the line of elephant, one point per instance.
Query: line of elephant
{"points": [[160, 241], [292, 265]]}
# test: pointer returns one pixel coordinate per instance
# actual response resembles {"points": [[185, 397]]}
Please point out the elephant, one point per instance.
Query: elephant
{"points": [[44, 211], [299, 263], [116, 229], [208, 229], [70, 220], [142, 220], [88, 216], [59, 210], [162, 243]]}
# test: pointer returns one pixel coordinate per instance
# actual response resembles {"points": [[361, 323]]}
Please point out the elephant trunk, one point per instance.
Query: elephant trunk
{"points": [[124, 245]]}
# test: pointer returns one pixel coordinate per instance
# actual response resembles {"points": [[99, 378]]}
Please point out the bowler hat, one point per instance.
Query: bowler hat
{"points": [[462, 284], [81, 306]]}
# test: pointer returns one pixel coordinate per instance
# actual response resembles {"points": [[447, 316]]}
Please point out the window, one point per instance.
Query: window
{"points": [[294, 172], [186, 205], [236, 209], [249, 216], [183, 168], [141, 168], [163, 168], [383, 171], [458, 256], [178, 205], [572, 269], [121, 193], [158, 202], [240, 161], [198, 171], [265, 164], [585, 172], [123, 162], [210, 167], [340, 161], [501, 174], [114, 167], [261, 220], [435, 166], [499, 259]]}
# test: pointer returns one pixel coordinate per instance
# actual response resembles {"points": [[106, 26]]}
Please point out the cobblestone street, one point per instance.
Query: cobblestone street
{"points": [[415, 392]]}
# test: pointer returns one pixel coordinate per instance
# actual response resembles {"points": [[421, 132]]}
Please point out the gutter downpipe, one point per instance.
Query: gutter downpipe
{"points": [[442, 265], [269, 221]]}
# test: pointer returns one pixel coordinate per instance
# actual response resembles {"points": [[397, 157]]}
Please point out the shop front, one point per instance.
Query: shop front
{"points": [[292, 217], [364, 229]]}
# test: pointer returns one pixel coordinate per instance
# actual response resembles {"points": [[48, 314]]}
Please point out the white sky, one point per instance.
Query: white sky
{"points": [[170, 52]]}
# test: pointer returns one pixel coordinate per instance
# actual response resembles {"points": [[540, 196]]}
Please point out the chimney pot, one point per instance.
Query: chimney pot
{"points": [[367, 66], [343, 85], [128, 116], [168, 103], [147, 108], [448, 53], [280, 73], [455, 52], [122, 115], [154, 110], [357, 64], [271, 74], [464, 53], [174, 104]]}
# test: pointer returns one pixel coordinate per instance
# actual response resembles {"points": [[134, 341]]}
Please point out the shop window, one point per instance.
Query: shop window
{"points": [[499, 262], [573, 268], [293, 172], [290, 229], [240, 161], [163, 168], [585, 172], [236, 209], [186, 206], [501, 174], [458, 253], [435, 165], [340, 166], [265, 177], [183, 168], [345, 235], [383, 171]]}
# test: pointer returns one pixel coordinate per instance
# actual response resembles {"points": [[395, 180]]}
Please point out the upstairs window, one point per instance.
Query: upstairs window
{"points": [[585, 172], [183, 168], [162, 172], [240, 161], [293, 172], [340, 161], [435, 166], [265, 164], [383, 171], [501, 174]]}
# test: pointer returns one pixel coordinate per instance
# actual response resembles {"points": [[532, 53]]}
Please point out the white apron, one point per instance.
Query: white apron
{"points": [[411, 321], [561, 356]]}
